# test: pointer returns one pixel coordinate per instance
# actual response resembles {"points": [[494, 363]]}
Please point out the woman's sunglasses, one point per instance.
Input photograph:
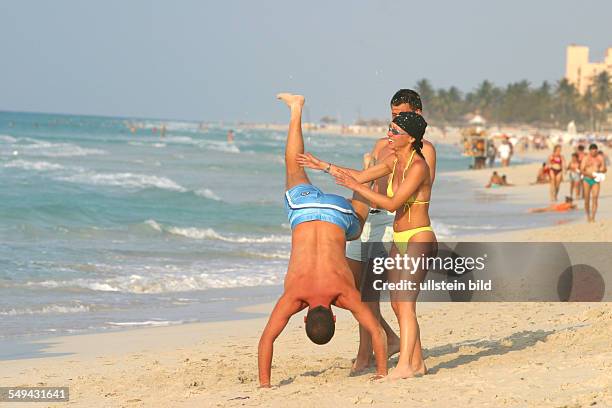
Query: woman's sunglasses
{"points": [[396, 132]]}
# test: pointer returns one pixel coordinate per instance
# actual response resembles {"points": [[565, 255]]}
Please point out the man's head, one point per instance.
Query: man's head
{"points": [[581, 148], [593, 149], [406, 100], [320, 324]]}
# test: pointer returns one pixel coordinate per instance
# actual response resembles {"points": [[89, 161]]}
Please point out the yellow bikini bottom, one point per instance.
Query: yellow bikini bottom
{"points": [[401, 238]]}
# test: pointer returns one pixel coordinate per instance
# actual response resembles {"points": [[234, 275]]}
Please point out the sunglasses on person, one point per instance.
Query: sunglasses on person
{"points": [[396, 132]]}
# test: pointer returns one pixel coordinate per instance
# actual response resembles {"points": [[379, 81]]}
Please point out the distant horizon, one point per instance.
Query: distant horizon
{"points": [[272, 99]]}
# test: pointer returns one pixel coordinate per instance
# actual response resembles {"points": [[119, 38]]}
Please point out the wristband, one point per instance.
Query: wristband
{"points": [[328, 168]]}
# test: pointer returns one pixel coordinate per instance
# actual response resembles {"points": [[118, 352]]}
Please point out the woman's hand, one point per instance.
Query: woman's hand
{"points": [[345, 179], [308, 160]]}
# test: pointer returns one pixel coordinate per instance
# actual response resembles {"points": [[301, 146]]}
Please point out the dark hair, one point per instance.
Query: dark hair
{"points": [[581, 147], [413, 124], [593, 146], [408, 96], [320, 325]]}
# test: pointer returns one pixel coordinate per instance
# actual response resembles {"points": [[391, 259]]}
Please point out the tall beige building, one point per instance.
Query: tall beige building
{"points": [[579, 71]]}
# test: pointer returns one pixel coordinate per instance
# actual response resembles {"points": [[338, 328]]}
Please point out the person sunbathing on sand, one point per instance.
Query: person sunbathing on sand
{"points": [[543, 176], [505, 181], [562, 207], [318, 275], [495, 181]]}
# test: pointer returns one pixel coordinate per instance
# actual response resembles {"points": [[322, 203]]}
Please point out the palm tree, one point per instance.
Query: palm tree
{"points": [[483, 98], [543, 100], [589, 107], [602, 95], [427, 92], [566, 102], [456, 104]]}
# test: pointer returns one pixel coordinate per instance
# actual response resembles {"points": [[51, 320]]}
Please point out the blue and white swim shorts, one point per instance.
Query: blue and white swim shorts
{"points": [[306, 202]]}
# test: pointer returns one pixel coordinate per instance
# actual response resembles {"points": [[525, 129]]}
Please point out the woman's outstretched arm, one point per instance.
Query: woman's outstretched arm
{"points": [[363, 176], [414, 178]]}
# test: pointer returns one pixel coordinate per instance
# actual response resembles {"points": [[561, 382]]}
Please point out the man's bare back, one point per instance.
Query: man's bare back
{"points": [[318, 275]]}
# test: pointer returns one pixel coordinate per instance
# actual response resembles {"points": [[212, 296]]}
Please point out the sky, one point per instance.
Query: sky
{"points": [[225, 60]]}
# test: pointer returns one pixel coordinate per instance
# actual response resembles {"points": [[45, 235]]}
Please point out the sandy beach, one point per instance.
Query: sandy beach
{"points": [[494, 354], [513, 354]]}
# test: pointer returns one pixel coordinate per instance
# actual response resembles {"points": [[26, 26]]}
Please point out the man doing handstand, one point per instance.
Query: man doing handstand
{"points": [[318, 275]]}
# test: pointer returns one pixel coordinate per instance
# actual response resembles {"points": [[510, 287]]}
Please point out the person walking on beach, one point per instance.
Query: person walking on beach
{"points": [[556, 165], [505, 152], [573, 170], [407, 193], [318, 275], [581, 153], [378, 228], [491, 152], [593, 169]]}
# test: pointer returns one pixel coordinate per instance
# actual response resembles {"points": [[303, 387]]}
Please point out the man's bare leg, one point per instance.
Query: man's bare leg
{"points": [[294, 173], [594, 200], [587, 199], [365, 354]]}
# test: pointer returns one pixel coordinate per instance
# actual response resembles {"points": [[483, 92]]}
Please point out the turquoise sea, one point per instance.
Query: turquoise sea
{"points": [[101, 228]]}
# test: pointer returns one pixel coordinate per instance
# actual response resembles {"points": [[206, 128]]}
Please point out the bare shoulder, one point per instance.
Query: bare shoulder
{"points": [[428, 146], [379, 146]]}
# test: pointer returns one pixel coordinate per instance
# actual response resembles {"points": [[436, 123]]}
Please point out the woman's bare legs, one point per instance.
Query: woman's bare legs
{"points": [[411, 361]]}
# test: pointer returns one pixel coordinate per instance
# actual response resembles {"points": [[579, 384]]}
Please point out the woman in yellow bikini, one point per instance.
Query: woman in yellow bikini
{"points": [[408, 193]]}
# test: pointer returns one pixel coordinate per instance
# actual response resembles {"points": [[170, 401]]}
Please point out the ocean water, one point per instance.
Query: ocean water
{"points": [[103, 229]]}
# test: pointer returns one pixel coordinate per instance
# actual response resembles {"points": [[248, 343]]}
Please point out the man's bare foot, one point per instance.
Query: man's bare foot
{"points": [[419, 369], [393, 347], [361, 365], [401, 372], [291, 100]]}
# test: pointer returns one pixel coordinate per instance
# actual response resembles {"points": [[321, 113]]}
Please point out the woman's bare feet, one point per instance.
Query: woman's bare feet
{"points": [[401, 372], [407, 371], [291, 100]]}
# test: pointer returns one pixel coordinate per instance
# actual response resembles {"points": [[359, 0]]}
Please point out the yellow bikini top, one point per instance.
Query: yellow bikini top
{"points": [[411, 200]]}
